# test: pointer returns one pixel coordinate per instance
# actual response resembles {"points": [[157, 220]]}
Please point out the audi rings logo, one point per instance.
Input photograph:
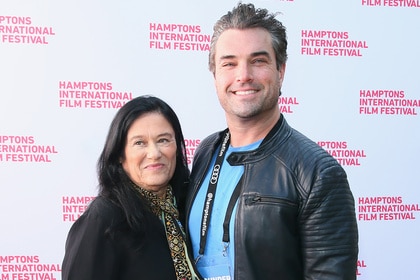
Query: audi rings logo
{"points": [[215, 174]]}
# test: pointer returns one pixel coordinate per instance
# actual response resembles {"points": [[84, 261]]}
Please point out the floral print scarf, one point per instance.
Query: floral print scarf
{"points": [[165, 209]]}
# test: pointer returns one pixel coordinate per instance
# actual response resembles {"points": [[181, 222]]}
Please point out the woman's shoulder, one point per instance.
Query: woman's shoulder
{"points": [[102, 203], [102, 210]]}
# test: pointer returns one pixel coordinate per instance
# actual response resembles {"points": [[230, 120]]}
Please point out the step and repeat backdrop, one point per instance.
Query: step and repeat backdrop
{"points": [[352, 85]]}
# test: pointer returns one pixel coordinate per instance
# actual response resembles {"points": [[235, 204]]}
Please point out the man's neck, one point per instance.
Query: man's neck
{"points": [[247, 131]]}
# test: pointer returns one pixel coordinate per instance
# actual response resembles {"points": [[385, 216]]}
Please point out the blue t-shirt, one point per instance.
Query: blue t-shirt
{"points": [[217, 261]]}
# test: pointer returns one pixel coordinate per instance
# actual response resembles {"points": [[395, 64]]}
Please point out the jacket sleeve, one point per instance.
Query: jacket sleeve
{"points": [[89, 253], [329, 226]]}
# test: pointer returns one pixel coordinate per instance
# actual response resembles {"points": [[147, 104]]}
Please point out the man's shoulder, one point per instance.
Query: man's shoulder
{"points": [[302, 150], [202, 154], [212, 139]]}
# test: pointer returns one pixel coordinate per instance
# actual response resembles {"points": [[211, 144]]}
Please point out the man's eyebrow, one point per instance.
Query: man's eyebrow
{"points": [[254, 54], [229, 56], [263, 53]]}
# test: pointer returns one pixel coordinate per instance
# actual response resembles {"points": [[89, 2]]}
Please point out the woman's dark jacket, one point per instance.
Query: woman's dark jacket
{"points": [[295, 217], [94, 253]]}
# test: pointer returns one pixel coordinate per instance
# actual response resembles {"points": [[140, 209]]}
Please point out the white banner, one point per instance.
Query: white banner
{"points": [[351, 85]]}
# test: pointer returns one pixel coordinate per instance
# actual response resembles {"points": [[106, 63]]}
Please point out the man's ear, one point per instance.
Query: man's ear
{"points": [[282, 71]]}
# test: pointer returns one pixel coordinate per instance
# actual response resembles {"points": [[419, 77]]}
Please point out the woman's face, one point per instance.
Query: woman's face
{"points": [[150, 152]]}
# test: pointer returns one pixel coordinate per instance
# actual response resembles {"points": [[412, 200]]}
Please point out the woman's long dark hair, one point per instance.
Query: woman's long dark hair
{"points": [[114, 182]]}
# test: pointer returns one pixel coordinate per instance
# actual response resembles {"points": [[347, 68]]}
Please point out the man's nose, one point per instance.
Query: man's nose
{"points": [[243, 73]]}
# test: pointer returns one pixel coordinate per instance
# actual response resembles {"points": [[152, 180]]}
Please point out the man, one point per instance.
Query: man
{"points": [[265, 201]]}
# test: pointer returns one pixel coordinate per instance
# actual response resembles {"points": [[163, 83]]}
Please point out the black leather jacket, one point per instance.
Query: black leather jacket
{"points": [[295, 217]]}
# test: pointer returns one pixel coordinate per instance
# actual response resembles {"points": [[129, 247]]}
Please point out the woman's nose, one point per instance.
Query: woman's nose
{"points": [[153, 151]]}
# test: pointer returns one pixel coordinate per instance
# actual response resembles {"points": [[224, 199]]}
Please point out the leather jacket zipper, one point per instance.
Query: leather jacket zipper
{"points": [[268, 199]]}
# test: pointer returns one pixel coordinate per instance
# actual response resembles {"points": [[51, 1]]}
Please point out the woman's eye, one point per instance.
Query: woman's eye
{"points": [[139, 143], [165, 141]]}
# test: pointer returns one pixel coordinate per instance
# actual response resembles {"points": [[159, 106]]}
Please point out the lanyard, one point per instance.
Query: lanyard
{"points": [[211, 191]]}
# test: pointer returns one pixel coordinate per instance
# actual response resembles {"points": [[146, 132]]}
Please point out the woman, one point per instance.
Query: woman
{"points": [[132, 230]]}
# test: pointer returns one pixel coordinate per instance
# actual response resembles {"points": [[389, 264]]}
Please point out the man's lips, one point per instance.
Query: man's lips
{"points": [[244, 92]]}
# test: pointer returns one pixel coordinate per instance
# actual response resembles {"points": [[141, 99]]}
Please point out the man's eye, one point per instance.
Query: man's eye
{"points": [[228, 64], [259, 61]]}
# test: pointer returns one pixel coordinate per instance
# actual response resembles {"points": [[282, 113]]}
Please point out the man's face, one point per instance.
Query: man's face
{"points": [[246, 77]]}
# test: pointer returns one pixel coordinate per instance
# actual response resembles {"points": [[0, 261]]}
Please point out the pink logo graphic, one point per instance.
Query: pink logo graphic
{"points": [[19, 30]]}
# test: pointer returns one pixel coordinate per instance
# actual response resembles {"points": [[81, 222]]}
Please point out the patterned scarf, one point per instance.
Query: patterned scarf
{"points": [[165, 209]]}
